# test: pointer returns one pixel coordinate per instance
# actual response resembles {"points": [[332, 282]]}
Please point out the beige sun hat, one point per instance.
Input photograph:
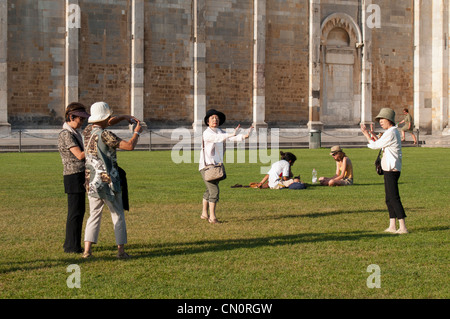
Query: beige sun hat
{"points": [[335, 149], [100, 111], [386, 113]]}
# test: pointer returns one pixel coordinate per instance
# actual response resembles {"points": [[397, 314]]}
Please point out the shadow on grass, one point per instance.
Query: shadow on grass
{"points": [[187, 248], [138, 251], [204, 246], [367, 184], [342, 212], [313, 215]]}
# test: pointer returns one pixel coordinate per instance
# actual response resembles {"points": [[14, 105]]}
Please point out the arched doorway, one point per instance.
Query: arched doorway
{"points": [[341, 72]]}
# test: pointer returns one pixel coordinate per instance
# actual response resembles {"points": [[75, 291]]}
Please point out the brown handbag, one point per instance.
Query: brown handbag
{"points": [[213, 172]]}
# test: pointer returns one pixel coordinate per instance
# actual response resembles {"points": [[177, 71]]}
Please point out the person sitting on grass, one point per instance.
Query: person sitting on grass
{"points": [[280, 174], [344, 170]]}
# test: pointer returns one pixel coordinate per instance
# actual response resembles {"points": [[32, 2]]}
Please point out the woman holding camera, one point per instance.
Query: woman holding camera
{"points": [[391, 163]]}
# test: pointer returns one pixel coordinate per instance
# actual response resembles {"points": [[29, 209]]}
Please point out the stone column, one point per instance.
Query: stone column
{"points": [[366, 72], [73, 24], [439, 67], [422, 66], [137, 59], [259, 64], [199, 65], [314, 66], [5, 127], [447, 49]]}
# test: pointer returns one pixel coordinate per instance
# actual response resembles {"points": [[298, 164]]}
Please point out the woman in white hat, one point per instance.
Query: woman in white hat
{"points": [[212, 153], [102, 174], [391, 163]]}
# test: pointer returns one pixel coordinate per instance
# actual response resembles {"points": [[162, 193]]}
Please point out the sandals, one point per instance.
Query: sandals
{"points": [[123, 255], [87, 254], [211, 221]]}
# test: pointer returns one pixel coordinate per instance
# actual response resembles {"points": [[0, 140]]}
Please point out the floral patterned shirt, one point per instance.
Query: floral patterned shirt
{"points": [[100, 177], [71, 164]]}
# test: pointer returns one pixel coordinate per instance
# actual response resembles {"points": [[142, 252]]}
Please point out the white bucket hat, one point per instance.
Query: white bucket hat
{"points": [[100, 111]]}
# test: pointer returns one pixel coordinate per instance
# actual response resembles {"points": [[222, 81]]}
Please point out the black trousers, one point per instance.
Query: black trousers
{"points": [[76, 202], [393, 202], [74, 224]]}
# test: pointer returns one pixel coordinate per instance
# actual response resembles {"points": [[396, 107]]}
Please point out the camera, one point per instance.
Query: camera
{"points": [[133, 124]]}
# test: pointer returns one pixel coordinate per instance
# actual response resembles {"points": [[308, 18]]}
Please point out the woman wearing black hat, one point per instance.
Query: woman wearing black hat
{"points": [[212, 153], [70, 147]]}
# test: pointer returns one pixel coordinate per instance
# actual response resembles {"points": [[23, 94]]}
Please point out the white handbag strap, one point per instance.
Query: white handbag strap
{"points": [[92, 135]]}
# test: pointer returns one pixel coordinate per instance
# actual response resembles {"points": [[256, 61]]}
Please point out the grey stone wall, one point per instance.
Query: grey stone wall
{"points": [[225, 38]]}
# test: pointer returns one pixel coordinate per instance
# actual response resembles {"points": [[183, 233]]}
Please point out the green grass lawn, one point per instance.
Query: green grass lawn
{"points": [[313, 243]]}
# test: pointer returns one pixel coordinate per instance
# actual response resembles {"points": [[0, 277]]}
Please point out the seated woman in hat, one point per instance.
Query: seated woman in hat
{"points": [[344, 169], [212, 153]]}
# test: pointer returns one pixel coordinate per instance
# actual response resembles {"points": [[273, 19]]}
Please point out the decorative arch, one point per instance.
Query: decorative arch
{"points": [[340, 80], [344, 21]]}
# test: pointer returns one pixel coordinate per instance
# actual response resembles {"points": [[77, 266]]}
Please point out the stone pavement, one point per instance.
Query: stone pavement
{"points": [[165, 139]]}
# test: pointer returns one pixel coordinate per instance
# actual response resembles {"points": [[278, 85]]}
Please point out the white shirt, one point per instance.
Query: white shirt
{"points": [[280, 167], [391, 144], [213, 143]]}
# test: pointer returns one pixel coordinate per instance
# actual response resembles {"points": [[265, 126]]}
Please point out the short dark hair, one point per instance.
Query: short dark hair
{"points": [[73, 107]]}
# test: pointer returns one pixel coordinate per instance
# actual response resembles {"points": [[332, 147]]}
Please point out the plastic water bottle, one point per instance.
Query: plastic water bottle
{"points": [[314, 176]]}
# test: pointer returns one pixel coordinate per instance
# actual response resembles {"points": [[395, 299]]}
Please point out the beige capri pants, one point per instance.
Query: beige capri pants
{"points": [[117, 214], [211, 193]]}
